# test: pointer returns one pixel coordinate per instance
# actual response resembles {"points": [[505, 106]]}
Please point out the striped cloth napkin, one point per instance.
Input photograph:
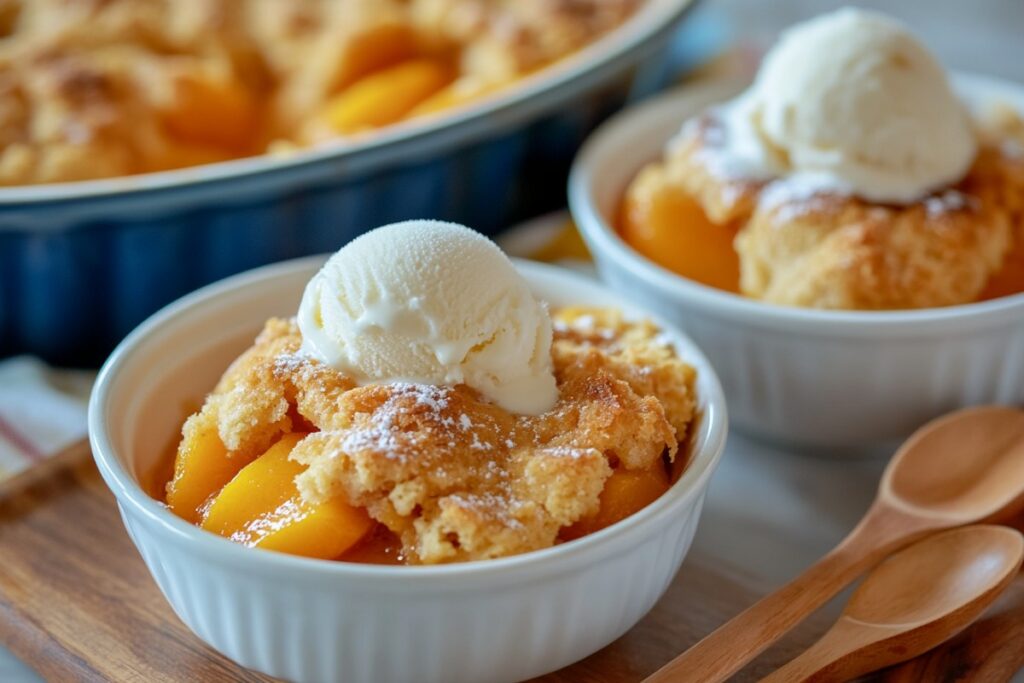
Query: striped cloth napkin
{"points": [[42, 411]]}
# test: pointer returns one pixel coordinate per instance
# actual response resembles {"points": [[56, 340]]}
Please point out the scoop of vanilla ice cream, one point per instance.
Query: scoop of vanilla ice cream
{"points": [[854, 100], [431, 303]]}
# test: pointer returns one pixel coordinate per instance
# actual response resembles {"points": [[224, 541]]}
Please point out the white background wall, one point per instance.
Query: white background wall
{"points": [[976, 35]]}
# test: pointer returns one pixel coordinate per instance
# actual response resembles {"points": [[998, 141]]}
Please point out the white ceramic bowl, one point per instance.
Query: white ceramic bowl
{"points": [[831, 381], [318, 621]]}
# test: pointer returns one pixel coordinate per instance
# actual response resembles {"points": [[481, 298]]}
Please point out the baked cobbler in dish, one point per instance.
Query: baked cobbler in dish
{"points": [[101, 88], [405, 449], [849, 176]]}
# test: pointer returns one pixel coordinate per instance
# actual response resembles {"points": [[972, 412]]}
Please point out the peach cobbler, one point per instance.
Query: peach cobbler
{"points": [[425, 408], [848, 176], [101, 88]]}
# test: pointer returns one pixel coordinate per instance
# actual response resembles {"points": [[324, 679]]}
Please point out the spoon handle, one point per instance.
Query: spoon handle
{"points": [[725, 651], [822, 662]]}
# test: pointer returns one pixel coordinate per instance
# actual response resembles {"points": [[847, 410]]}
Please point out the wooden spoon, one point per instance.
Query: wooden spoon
{"points": [[964, 468], [991, 650], [912, 602]]}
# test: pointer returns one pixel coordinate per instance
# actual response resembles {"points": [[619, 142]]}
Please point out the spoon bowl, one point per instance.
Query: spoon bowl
{"points": [[936, 577], [912, 602], [965, 467]]}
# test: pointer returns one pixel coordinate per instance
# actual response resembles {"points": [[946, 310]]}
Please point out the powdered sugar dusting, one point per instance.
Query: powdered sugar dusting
{"points": [[380, 437], [383, 434], [797, 195], [585, 322], [490, 504], [567, 452], [1012, 149], [799, 187], [947, 202], [299, 365], [584, 325], [663, 340], [731, 148], [291, 363]]}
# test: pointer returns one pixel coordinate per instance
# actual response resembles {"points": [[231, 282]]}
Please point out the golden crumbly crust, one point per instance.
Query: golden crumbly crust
{"points": [[804, 248], [1002, 129], [92, 88], [455, 477], [691, 164], [508, 38], [842, 253], [83, 84]]}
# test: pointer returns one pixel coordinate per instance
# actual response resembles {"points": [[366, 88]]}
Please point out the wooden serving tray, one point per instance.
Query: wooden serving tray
{"points": [[78, 604]]}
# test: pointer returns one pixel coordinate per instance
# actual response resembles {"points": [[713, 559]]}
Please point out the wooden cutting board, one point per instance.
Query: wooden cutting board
{"points": [[78, 604]]}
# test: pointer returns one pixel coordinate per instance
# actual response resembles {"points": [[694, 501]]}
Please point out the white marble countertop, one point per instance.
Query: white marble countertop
{"points": [[981, 35]]}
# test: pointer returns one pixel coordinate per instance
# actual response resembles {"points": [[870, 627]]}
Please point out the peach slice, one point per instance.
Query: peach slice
{"points": [[374, 49], [202, 467], [1010, 278], [380, 546], [212, 112], [625, 493], [262, 508], [456, 94], [183, 154], [671, 229], [386, 96]]}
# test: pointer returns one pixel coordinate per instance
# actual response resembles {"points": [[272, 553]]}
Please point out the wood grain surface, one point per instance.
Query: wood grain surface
{"points": [[77, 603]]}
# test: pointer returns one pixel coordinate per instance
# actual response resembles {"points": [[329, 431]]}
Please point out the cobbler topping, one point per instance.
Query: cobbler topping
{"points": [[796, 241], [100, 88], [454, 476]]}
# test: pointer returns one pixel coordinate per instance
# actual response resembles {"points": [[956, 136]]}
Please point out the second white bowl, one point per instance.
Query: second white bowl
{"points": [[832, 381], [312, 620]]}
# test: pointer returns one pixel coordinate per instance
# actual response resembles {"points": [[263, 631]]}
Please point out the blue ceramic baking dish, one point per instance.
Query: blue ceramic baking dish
{"points": [[82, 263]]}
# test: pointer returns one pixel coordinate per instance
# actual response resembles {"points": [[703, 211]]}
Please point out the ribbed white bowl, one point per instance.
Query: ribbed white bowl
{"points": [[318, 621], [828, 380]]}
